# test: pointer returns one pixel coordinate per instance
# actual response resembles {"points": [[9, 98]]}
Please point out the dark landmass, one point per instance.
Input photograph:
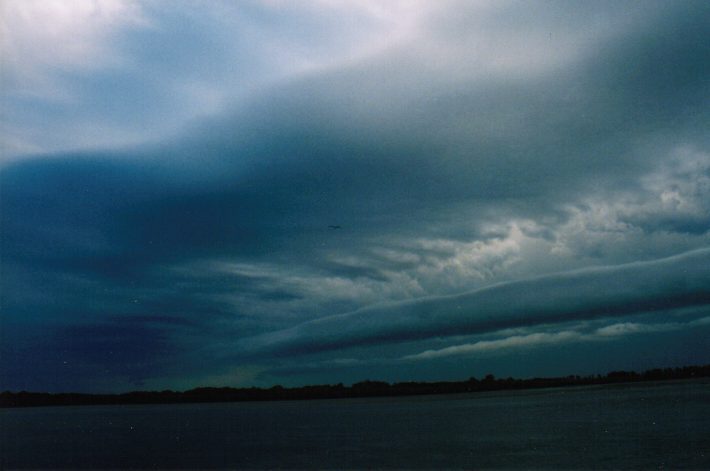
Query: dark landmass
{"points": [[361, 389]]}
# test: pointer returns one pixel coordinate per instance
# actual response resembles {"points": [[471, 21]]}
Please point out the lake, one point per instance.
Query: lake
{"points": [[652, 425]]}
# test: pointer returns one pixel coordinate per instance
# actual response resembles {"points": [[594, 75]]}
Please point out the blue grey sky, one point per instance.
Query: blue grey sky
{"points": [[291, 192]]}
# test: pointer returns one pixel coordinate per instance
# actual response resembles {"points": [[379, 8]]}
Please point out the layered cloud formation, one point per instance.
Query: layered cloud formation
{"points": [[675, 282], [295, 192]]}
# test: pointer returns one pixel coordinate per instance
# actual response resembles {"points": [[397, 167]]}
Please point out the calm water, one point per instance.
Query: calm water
{"points": [[665, 425]]}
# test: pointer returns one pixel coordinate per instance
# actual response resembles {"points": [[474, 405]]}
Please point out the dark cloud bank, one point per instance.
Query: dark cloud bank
{"points": [[136, 264]]}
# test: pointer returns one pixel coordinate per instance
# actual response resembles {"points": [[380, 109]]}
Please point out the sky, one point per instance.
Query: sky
{"points": [[306, 192]]}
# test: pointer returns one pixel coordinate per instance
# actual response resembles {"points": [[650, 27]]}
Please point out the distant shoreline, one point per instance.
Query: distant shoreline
{"points": [[368, 388]]}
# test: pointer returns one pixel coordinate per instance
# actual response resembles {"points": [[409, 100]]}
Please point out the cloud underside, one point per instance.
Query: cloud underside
{"points": [[676, 282], [541, 339]]}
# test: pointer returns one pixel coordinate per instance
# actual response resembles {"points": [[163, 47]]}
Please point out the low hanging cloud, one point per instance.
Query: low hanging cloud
{"points": [[593, 293], [516, 341], [461, 147], [539, 339]]}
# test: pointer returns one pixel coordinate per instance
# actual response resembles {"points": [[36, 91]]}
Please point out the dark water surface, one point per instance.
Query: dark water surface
{"points": [[643, 426]]}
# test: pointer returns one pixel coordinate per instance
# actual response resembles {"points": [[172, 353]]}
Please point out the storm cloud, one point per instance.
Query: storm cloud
{"points": [[488, 166], [675, 282]]}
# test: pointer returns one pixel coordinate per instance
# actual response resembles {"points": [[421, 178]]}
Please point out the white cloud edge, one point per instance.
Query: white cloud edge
{"points": [[540, 339]]}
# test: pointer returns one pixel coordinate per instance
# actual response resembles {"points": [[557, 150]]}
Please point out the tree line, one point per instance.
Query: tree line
{"points": [[361, 389]]}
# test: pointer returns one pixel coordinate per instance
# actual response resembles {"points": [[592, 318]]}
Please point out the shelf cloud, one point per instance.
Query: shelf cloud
{"points": [[606, 292], [191, 191]]}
